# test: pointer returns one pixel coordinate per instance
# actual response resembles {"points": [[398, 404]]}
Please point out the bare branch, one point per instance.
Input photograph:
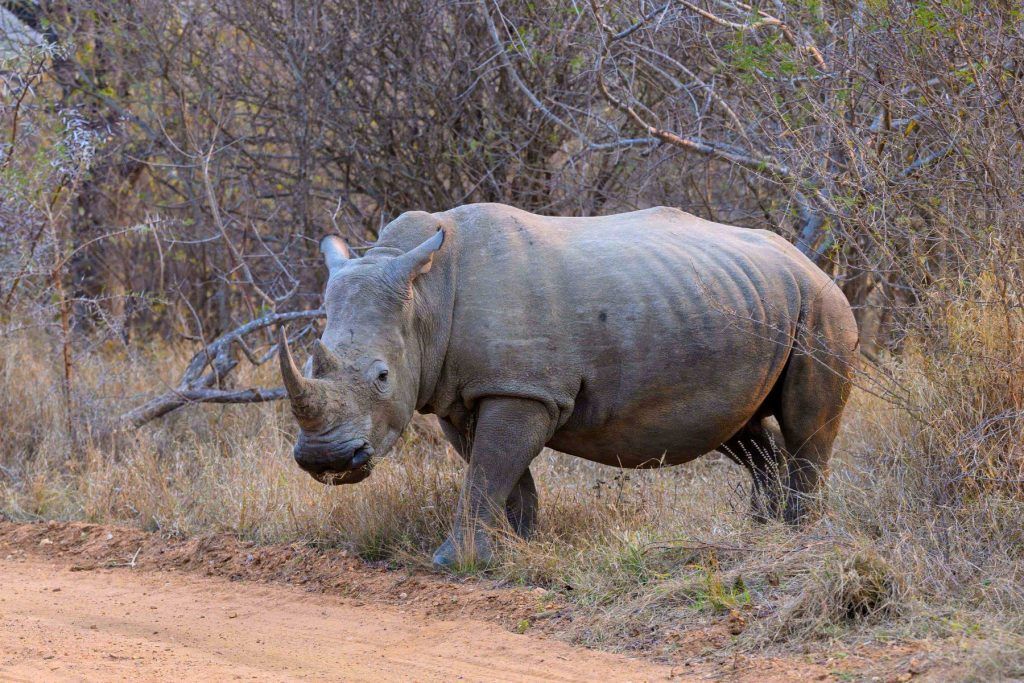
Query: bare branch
{"points": [[239, 262], [514, 75], [171, 401], [197, 386], [719, 150]]}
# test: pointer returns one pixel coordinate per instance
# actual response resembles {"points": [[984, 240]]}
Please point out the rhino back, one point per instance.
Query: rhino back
{"points": [[651, 335]]}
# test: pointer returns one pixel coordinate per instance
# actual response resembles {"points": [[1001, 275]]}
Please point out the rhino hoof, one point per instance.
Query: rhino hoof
{"points": [[444, 557], [476, 554]]}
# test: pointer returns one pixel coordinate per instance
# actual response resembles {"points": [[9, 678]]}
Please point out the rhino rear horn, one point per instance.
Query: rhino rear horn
{"points": [[324, 360]]}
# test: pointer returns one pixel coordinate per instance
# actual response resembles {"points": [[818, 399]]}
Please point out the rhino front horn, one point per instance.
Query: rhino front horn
{"points": [[302, 392]]}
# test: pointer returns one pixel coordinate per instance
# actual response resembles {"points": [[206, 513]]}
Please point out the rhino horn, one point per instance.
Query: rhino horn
{"points": [[302, 392], [324, 360]]}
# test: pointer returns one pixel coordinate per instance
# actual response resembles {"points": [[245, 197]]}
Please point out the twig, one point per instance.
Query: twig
{"points": [[240, 263], [698, 145]]}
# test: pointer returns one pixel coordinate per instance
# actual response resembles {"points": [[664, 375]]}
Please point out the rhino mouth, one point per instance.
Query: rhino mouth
{"points": [[350, 476], [335, 463]]}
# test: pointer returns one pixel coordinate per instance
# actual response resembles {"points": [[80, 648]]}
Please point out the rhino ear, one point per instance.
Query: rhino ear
{"points": [[416, 261], [335, 251]]}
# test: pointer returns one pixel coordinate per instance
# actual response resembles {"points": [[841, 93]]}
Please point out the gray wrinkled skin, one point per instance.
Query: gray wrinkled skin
{"points": [[637, 340]]}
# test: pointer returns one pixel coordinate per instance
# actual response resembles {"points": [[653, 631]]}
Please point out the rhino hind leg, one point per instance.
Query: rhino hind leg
{"points": [[759, 448], [809, 432], [813, 392], [521, 508]]}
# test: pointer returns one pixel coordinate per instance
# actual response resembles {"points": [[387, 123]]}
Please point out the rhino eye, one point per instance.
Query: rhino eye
{"points": [[380, 374]]}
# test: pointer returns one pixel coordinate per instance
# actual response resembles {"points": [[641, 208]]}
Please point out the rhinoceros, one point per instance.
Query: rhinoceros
{"points": [[636, 340]]}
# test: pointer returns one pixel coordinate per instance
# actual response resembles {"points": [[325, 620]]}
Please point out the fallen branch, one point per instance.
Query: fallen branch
{"points": [[201, 385]]}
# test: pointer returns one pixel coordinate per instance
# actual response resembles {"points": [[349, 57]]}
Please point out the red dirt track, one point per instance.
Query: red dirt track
{"points": [[90, 602]]}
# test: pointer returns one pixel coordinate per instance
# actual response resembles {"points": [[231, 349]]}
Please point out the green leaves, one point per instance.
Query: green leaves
{"points": [[769, 54]]}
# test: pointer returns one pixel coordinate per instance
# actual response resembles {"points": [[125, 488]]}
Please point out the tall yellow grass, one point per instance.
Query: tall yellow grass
{"points": [[922, 533]]}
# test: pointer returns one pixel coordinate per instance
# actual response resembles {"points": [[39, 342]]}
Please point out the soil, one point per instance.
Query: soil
{"points": [[86, 601]]}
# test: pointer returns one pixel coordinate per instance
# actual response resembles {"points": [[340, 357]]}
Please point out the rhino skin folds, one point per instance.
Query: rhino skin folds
{"points": [[641, 339]]}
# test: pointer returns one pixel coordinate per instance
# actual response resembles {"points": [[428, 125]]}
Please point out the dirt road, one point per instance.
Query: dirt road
{"points": [[81, 601], [117, 624]]}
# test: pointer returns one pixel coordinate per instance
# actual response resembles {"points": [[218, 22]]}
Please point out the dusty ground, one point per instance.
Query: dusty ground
{"points": [[112, 624], [82, 601]]}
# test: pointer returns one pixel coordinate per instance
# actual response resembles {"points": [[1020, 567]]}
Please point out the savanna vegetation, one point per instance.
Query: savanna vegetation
{"points": [[166, 169]]}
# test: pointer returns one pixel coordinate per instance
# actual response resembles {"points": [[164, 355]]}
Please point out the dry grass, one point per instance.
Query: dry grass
{"points": [[918, 539]]}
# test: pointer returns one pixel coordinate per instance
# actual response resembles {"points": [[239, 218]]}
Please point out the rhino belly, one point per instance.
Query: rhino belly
{"points": [[655, 431]]}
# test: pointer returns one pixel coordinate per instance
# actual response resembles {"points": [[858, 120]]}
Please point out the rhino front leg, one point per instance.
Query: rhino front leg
{"points": [[521, 507], [509, 434]]}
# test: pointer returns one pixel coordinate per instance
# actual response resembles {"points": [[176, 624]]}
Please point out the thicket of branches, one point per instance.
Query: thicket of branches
{"points": [[167, 167], [882, 137]]}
